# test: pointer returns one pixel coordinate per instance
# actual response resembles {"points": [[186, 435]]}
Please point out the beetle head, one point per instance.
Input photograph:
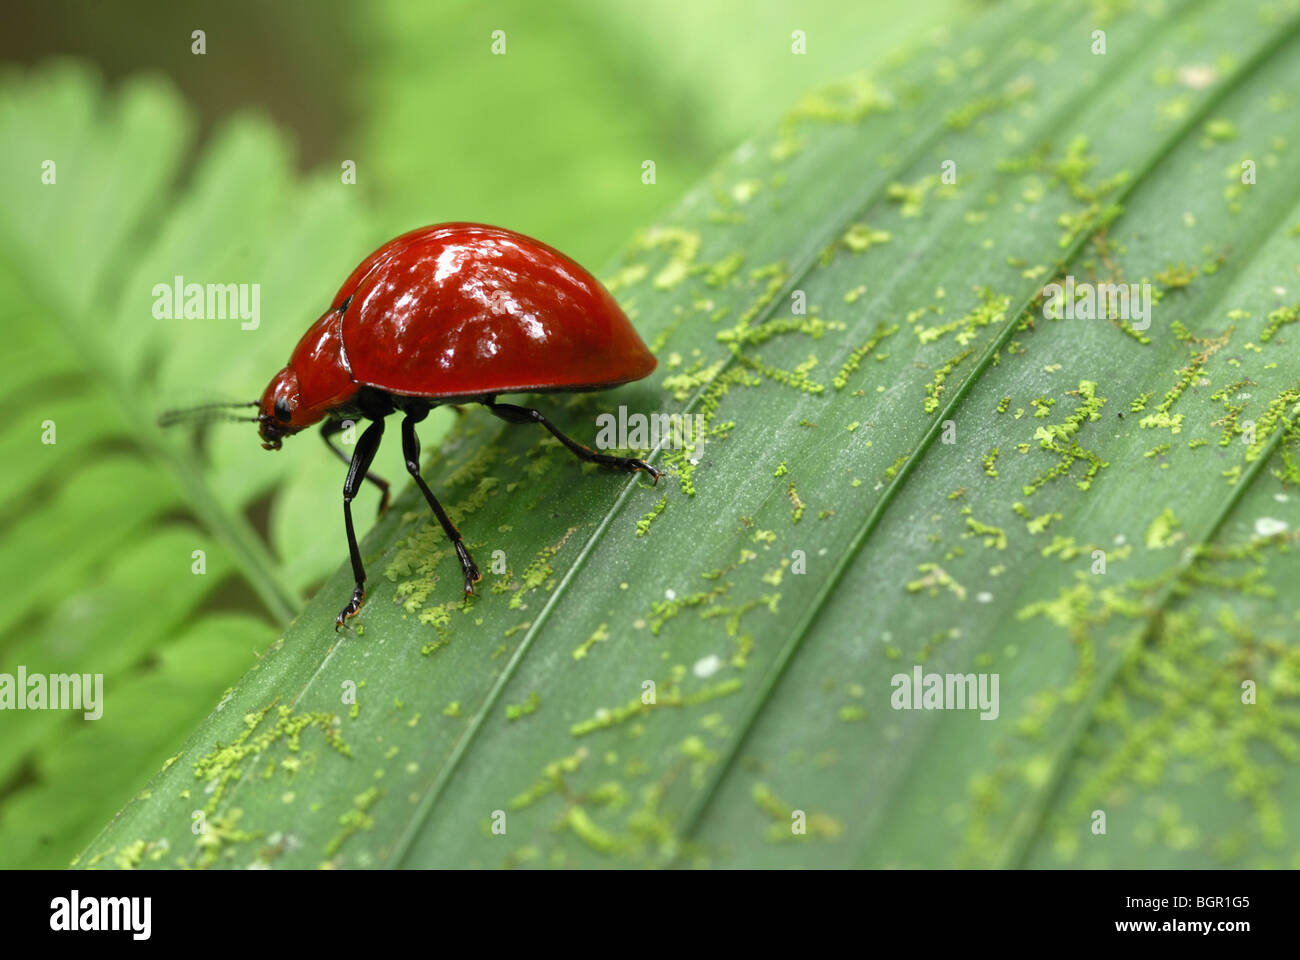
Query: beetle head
{"points": [[280, 401]]}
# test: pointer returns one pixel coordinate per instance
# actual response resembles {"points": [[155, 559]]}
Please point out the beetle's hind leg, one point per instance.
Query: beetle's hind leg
{"points": [[513, 414], [411, 453]]}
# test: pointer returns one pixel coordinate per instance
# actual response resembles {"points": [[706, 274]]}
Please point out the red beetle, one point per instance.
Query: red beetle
{"points": [[452, 313]]}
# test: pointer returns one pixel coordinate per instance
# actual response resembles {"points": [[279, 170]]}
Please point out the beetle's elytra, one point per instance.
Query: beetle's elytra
{"points": [[452, 313]]}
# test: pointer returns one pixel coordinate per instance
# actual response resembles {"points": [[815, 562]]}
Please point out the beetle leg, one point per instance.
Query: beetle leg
{"points": [[513, 414], [331, 427], [411, 452], [362, 457]]}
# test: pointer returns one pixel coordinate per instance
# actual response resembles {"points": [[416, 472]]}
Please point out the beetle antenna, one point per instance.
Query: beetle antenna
{"points": [[206, 413]]}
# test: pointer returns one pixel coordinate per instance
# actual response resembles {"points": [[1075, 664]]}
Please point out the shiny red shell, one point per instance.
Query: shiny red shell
{"points": [[460, 310]]}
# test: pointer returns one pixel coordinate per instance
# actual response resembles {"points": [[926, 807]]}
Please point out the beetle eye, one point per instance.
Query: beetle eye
{"points": [[282, 411]]}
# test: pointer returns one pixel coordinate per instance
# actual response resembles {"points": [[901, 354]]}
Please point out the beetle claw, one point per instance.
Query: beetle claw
{"points": [[350, 611], [655, 472]]}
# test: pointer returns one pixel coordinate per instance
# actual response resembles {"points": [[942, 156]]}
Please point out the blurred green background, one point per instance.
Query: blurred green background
{"points": [[242, 177], [548, 138]]}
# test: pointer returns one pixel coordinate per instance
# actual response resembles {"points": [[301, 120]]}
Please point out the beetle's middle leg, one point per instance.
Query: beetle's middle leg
{"points": [[362, 457], [411, 453], [327, 431]]}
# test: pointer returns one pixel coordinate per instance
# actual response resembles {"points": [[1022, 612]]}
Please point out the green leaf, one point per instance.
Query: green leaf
{"points": [[99, 525], [920, 470]]}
